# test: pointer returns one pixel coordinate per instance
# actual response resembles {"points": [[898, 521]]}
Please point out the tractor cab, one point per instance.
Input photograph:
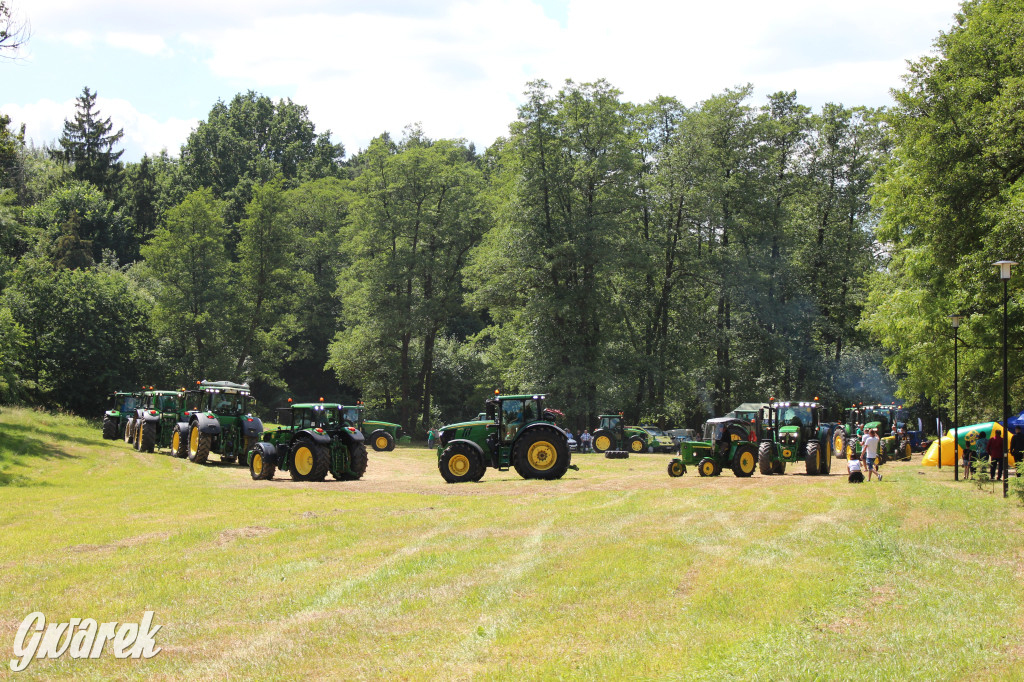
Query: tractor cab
{"points": [[612, 422], [723, 431], [126, 402]]}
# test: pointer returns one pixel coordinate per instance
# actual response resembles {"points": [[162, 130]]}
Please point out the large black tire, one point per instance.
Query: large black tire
{"points": [[357, 461], [147, 442], [198, 445], [460, 463], [765, 452], [676, 468], [603, 440], [262, 467], [839, 443], [778, 468], [541, 453], [109, 428], [137, 438], [382, 441], [129, 432], [812, 456], [616, 454], [744, 461], [309, 461], [179, 442], [826, 463], [636, 444]]}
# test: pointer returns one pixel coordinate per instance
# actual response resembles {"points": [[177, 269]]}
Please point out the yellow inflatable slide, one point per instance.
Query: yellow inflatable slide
{"points": [[968, 437]]}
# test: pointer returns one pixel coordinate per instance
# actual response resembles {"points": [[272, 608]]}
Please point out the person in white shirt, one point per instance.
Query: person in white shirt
{"points": [[871, 443], [855, 469]]}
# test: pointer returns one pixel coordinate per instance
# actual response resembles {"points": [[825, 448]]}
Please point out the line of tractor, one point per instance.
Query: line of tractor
{"points": [[309, 440]]}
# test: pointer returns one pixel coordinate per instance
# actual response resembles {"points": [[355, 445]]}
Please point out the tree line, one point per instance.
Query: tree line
{"points": [[666, 260]]}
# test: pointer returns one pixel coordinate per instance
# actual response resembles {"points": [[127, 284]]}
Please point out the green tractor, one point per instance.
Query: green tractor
{"points": [[726, 444], [612, 437], [518, 433], [888, 419], [381, 436], [153, 423], [313, 439], [116, 419], [794, 432], [216, 419]]}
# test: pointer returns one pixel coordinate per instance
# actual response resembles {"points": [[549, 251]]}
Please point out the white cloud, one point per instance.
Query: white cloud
{"points": [[145, 43]]}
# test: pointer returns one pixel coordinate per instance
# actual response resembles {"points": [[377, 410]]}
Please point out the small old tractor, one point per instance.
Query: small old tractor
{"points": [[790, 432], [726, 444], [313, 439], [116, 419], [518, 433], [153, 423], [887, 419], [615, 439], [216, 419]]}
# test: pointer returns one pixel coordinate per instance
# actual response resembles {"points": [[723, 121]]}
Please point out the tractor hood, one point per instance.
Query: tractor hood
{"points": [[789, 428], [475, 422]]}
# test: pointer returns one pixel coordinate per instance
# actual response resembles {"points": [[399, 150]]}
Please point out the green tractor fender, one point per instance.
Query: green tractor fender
{"points": [[463, 441], [318, 436], [351, 436], [206, 423]]}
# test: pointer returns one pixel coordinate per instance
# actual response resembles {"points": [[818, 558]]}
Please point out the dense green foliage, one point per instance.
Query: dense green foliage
{"points": [[664, 259]]}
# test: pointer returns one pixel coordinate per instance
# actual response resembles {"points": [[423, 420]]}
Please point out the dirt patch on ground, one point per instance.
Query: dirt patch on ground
{"points": [[232, 534], [120, 544]]}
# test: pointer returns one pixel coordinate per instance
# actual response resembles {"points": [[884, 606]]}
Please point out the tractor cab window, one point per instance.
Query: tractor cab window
{"points": [[166, 403], [227, 403], [512, 418], [611, 423], [303, 419], [130, 403], [350, 416], [712, 431], [795, 416]]}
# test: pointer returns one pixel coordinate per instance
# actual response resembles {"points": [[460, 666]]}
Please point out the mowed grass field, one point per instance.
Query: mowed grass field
{"points": [[615, 572]]}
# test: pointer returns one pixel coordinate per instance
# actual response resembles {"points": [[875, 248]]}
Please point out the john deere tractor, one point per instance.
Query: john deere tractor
{"points": [[517, 433], [216, 419], [726, 444], [887, 419], [794, 432], [120, 413], [313, 438], [380, 435], [153, 423], [613, 436]]}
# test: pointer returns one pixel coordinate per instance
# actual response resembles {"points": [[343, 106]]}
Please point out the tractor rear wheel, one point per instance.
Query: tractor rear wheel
{"points": [[309, 461], [812, 456], [147, 442], [128, 432], [262, 466], [541, 453], [109, 428], [198, 445], [676, 468], [636, 444], [744, 460], [460, 463], [179, 442], [357, 461], [382, 441], [603, 440], [137, 438], [765, 453]]}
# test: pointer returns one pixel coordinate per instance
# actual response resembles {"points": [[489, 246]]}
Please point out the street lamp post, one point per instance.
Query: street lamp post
{"points": [[955, 319], [1004, 274]]}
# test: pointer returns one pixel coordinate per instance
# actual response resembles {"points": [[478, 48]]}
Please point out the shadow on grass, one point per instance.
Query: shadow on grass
{"points": [[18, 449], [56, 433]]}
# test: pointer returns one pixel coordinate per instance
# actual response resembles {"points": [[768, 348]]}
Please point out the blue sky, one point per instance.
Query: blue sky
{"points": [[458, 67]]}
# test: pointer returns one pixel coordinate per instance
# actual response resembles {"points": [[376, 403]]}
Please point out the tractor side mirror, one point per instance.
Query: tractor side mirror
{"points": [[491, 409]]}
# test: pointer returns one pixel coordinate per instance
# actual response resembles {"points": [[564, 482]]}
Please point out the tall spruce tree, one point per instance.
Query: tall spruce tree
{"points": [[87, 145]]}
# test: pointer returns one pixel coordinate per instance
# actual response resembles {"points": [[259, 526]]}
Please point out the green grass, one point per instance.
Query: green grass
{"points": [[616, 571]]}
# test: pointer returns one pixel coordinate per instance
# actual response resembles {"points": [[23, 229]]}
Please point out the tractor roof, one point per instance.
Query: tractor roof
{"points": [[226, 386], [531, 396], [306, 406], [728, 420], [160, 393], [796, 404]]}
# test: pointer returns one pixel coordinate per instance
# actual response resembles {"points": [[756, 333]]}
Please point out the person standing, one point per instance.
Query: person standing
{"points": [[1017, 447], [585, 440], [871, 443], [430, 438], [997, 472]]}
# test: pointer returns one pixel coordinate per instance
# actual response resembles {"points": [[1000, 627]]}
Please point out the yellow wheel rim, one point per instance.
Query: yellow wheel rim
{"points": [[458, 465], [382, 443], [636, 446], [707, 468], [138, 437], [303, 460], [837, 444], [193, 441], [175, 441], [257, 463], [747, 462], [603, 443], [542, 455], [677, 468]]}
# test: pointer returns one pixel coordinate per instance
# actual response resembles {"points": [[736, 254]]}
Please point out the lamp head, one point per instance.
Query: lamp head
{"points": [[955, 319], [1004, 268]]}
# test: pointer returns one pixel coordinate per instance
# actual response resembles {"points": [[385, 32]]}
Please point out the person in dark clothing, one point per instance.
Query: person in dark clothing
{"points": [[1017, 445], [995, 454]]}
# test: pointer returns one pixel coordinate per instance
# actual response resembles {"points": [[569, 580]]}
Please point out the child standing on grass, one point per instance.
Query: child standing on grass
{"points": [[871, 443]]}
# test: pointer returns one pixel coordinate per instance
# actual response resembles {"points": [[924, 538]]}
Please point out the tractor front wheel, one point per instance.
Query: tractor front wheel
{"points": [[109, 428], [179, 442], [460, 463], [129, 434], [198, 445], [743, 461], [706, 467], [676, 468], [812, 456], [541, 453], [309, 461], [839, 442], [357, 461], [262, 467], [765, 455]]}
